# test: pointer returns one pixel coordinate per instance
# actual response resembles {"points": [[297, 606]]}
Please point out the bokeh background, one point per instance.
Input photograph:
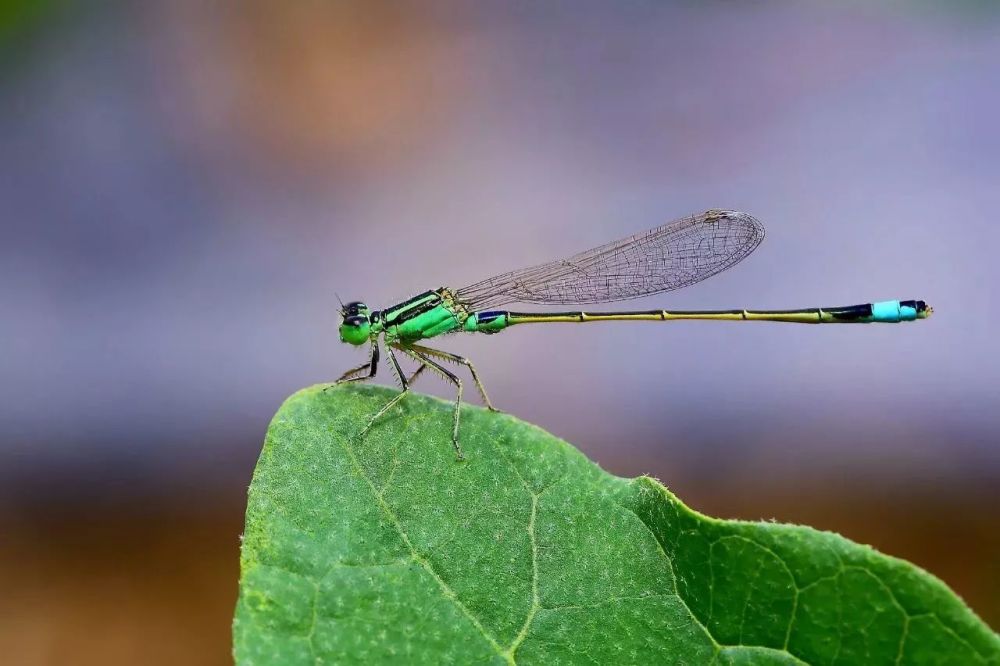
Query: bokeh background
{"points": [[184, 186]]}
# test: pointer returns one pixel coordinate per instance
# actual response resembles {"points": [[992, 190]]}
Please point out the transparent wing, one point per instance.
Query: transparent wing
{"points": [[669, 257]]}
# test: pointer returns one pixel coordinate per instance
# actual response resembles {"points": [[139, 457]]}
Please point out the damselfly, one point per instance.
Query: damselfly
{"points": [[668, 257]]}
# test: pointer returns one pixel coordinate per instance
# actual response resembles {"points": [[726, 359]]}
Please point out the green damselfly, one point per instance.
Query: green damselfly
{"points": [[668, 257]]}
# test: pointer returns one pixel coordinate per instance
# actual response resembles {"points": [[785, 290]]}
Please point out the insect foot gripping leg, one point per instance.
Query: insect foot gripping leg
{"points": [[429, 351], [450, 376]]}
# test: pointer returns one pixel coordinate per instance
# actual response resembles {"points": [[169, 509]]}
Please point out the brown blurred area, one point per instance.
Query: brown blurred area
{"points": [[185, 185], [313, 84], [144, 585]]}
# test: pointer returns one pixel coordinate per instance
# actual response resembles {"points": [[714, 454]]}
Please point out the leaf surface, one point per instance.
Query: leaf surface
{"points": [[386, 549]]}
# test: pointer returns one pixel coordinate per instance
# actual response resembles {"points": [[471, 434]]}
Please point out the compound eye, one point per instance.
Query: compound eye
{"points": [[355, 320]]}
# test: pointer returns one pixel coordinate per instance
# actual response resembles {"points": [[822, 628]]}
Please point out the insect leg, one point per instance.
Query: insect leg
{"points": [[416, 373], [371, 366], [428, 351], [394, 364], [450, 376]]}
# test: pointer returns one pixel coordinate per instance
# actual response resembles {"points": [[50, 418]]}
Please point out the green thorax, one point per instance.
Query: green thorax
{"points": [[426, 315]]}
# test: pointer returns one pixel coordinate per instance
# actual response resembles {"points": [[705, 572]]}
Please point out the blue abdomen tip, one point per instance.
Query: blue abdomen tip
{"points": [[893, 311]]}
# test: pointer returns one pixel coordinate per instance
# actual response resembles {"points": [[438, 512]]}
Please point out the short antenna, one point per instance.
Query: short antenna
{"points": [[339, 301]]}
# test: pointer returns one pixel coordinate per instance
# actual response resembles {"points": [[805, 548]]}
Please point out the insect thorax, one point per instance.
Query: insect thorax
{"points": [[426, 315]]}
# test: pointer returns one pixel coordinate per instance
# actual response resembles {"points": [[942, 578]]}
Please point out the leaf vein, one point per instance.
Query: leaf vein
{"points": [[445, 588]]}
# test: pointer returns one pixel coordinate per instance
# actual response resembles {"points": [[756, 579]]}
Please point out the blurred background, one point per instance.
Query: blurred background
{"points": [[184, 185]]}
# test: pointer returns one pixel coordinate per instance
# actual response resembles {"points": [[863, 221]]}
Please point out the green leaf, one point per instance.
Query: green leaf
{"points": [[387, 549]]}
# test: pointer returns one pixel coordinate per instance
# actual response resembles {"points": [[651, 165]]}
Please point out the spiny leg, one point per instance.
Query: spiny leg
{"points": [[349, 375], [450, 376], [429, 351], [416, 373], [394, 364], [371, 366]]}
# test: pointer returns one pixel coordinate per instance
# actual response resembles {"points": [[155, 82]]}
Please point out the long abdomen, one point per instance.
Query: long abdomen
{"points": [[889, 312]]}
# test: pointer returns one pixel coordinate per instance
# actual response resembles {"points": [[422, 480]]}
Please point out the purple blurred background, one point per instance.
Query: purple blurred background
{"points": [[185, 185]]}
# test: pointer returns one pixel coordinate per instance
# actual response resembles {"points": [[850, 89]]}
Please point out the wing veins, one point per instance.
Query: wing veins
{"points": [[672, 256]]}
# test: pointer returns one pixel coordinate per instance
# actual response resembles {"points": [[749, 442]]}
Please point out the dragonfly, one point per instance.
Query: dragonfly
{"points": [[672, 256]]}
